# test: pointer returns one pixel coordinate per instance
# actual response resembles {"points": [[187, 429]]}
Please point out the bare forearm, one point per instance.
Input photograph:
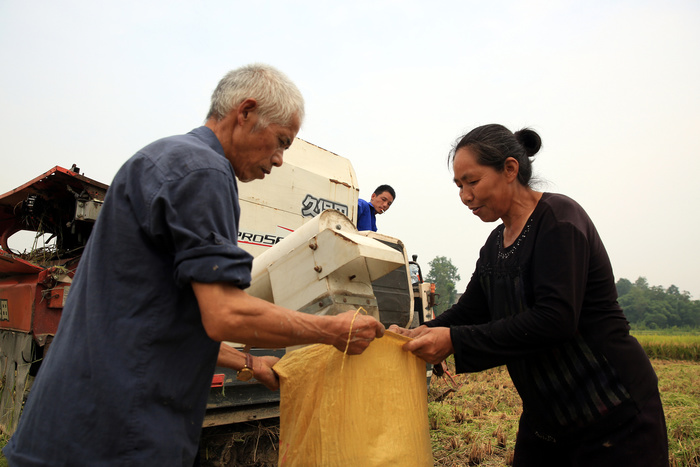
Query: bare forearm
{"points": [[230, 314], [230, 358]]}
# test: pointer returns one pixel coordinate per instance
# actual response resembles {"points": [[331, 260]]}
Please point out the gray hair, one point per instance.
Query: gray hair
{"points": [[279, 100]]}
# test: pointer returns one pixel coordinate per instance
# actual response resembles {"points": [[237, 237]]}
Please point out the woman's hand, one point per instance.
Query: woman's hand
{"points": [[431, 344]]}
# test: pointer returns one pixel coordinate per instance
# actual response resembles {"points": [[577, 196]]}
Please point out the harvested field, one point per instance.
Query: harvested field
{"points": [[475, 424]]}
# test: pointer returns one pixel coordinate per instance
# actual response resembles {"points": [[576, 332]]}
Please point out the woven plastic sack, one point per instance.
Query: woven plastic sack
{"points": [[354, 410]]}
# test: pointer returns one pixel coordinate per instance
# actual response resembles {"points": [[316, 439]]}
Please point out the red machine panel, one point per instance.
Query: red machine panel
{"points": [[17, 303]]}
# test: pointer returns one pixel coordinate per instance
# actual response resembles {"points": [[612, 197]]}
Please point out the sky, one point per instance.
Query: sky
{"points": [[612, 87]]}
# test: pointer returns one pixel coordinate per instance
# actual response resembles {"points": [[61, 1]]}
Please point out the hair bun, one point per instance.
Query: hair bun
{"points": [[530, 140]]}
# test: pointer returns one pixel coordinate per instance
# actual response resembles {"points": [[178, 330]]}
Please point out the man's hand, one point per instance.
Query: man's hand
{"points": [[262, 366], [364, 330], [431, 344], [263, 372]]}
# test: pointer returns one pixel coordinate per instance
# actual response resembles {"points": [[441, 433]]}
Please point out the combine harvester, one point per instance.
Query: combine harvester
{"points": [[299, 223]]}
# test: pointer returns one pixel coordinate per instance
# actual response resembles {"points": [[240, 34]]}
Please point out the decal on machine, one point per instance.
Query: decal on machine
{"points": [[4, 310], [263, 239], [312, 206]]}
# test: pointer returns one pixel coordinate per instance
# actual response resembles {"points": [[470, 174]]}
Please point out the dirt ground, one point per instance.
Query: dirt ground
{"points": [[251, 444]]}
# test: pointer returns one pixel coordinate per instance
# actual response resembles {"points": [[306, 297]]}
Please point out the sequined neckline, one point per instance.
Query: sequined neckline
{"points": [[505, 253]]}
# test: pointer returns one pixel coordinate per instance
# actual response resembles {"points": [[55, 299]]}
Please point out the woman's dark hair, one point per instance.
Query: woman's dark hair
{"points": [[493, 144]]}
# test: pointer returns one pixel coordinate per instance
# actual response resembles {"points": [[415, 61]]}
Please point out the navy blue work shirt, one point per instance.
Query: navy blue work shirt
{"points": [[127, 377]]}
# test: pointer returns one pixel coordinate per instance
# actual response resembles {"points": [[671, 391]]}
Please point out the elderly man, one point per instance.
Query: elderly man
{"points": [[160, 285]]}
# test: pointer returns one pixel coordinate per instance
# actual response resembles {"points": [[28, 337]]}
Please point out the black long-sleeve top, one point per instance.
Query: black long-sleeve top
{"points": [[546, 307]]}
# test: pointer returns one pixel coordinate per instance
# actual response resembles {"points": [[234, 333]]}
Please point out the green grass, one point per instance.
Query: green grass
{"points": [[478, 423], [680, 395], [3, 442]]}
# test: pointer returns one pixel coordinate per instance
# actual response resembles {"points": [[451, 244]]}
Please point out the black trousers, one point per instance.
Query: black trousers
{"points": [[641, 441]]}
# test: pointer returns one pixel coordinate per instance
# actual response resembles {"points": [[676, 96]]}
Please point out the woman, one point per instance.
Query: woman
{"points": [[542, 301]]}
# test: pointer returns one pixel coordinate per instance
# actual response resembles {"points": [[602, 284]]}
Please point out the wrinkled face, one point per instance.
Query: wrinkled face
{"points": [[382, 201], [482, 188], [256, 151]]}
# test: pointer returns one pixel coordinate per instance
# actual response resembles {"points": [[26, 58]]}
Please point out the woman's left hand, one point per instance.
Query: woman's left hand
{"points": [[431, 344]]}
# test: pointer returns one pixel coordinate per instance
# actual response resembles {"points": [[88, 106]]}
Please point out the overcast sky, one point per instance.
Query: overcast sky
{"points": [[613, 88]]}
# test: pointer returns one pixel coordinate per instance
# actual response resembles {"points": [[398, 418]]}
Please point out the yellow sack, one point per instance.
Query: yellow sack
{"points": [[368, 410]]}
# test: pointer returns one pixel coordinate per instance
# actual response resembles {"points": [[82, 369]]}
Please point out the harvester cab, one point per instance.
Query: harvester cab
{"points": [[299, 223]]}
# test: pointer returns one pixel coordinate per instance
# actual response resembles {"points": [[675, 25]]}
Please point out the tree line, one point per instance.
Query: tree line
{"points": [[653, 307], [646, 307]]}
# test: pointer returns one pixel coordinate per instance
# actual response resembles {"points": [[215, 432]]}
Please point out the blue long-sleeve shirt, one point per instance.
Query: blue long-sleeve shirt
{"points": [[366, 216]]}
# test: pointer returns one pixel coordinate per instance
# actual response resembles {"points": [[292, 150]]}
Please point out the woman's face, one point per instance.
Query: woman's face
{"points": [[482, 188]]}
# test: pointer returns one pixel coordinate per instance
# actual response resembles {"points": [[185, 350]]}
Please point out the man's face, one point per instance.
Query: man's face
{"points": [[254, 152], [381, 201]]}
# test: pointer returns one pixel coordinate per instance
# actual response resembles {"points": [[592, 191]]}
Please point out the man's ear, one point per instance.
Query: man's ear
{"points": [[245, 108]]}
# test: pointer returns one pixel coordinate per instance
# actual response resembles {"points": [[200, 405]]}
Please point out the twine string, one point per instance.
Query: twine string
{"points": [[347, 344]]}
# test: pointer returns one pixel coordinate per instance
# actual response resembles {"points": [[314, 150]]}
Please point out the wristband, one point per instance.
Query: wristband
{"points": [[247, 372]]}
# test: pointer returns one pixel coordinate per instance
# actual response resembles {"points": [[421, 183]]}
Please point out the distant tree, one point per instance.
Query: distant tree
{"points": [[654, 308], [623, 286], [445, 277], [635, 304]]}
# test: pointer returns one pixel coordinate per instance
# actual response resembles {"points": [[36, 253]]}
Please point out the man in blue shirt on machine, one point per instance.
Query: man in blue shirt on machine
{"points": [[381, 200]]}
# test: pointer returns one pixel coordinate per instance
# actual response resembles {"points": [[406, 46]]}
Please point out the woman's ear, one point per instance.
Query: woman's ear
{"points": [[511, 167]]}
